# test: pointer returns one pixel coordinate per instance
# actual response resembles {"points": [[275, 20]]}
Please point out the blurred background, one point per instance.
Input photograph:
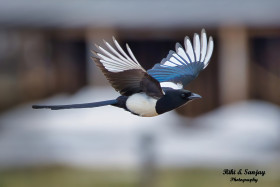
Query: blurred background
{"points": [[45, 50]]}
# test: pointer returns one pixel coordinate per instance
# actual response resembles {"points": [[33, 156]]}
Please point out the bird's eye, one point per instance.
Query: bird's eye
{"points": [[183, 95]]}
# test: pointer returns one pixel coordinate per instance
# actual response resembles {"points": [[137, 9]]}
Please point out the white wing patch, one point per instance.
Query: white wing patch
{"points": [[198, 52], [209, 52], [173, 85], [117, 60], [196, 46], [189, 48]]}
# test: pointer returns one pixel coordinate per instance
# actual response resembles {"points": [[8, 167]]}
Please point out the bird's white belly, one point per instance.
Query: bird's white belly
{"points": [[142, 105]]}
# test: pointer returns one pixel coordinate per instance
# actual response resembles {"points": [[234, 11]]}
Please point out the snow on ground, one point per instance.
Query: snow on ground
{"points": [[245, 132]]}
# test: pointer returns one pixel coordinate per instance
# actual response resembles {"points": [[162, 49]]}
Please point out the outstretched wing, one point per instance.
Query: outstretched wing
{"points": [[181, 67], [124, 72]]}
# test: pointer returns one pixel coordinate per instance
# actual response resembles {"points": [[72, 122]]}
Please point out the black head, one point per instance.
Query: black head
{"points": [[174, 99]]}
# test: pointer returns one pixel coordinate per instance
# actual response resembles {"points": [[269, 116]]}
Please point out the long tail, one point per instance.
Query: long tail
{"points": [[84, 105]]}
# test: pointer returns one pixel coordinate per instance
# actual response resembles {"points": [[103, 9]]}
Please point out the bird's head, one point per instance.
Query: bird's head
{"points": [[174, 99]]}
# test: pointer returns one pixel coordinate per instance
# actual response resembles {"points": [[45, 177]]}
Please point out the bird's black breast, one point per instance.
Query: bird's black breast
{"points": [[171, 100], [164, 104]]}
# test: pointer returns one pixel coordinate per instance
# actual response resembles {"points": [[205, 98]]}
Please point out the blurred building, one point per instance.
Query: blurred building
{"points": [[45, 47]]}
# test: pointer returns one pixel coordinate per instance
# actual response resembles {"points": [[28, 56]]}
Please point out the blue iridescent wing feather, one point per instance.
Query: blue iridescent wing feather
{"points": [[183, 74], [184, 65]]}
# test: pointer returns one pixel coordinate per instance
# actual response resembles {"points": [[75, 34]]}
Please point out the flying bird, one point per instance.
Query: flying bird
{"points": [[157, 90]]}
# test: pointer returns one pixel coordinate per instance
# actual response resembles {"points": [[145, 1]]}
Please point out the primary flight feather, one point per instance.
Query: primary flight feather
{"points": [[153, 92]]}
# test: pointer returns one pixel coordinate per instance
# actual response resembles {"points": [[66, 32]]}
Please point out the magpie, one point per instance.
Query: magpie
{"points": [[157, 90]]}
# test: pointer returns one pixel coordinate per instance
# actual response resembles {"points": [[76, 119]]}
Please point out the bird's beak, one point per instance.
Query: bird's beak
{"points": [[195, 96]]}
